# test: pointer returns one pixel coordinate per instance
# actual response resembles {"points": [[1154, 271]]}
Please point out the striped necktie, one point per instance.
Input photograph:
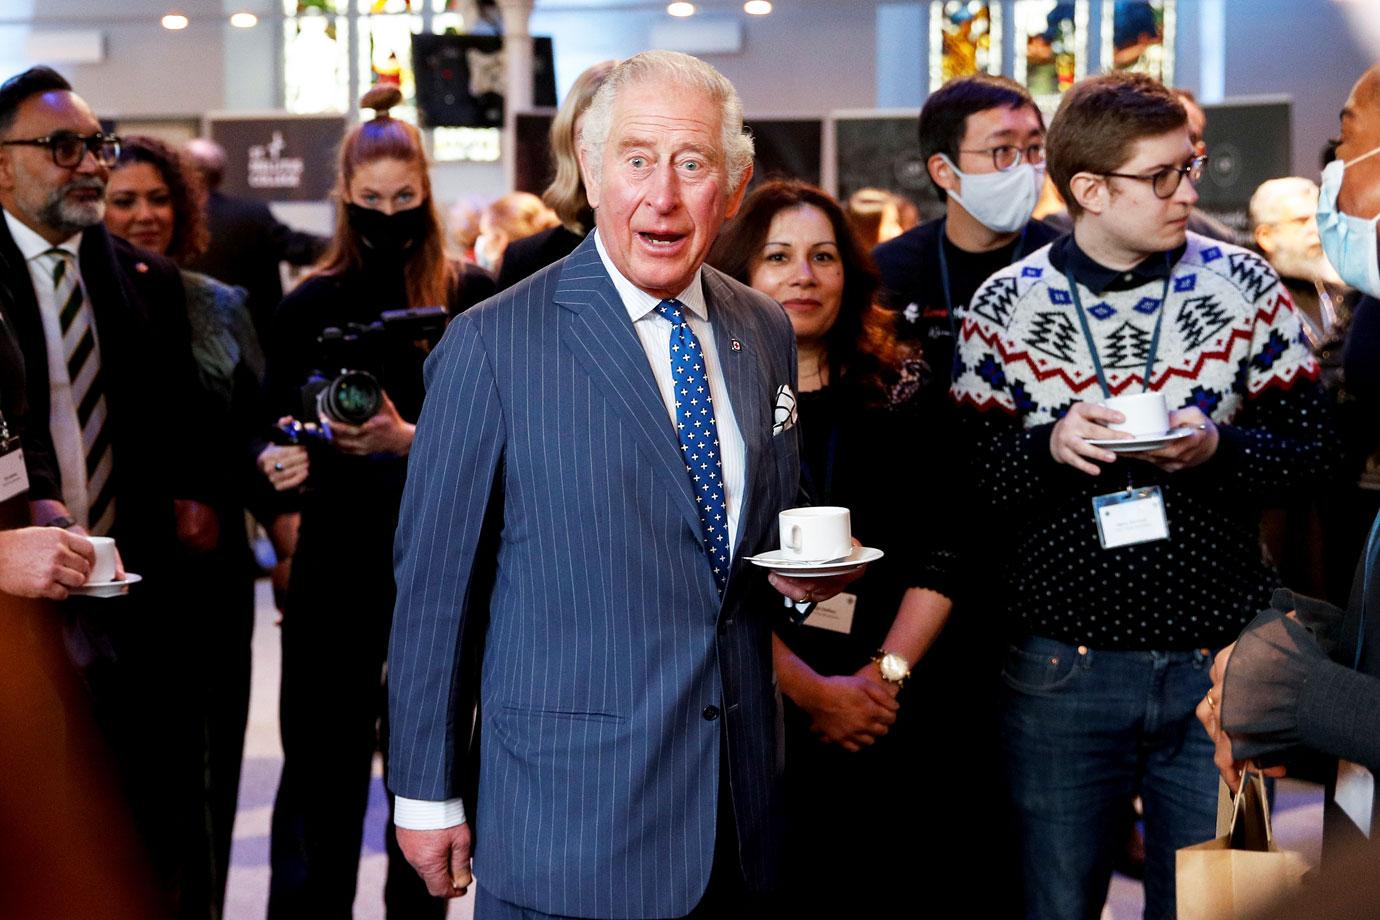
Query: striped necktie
{"points": [[698, 433], [77, 323]]}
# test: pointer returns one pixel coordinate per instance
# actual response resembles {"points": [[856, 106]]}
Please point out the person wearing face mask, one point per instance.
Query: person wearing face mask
{"points": [[387, 254], [1303, 679], [982, 139]]}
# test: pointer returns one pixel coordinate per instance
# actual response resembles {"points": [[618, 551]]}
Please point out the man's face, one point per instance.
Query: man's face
{"points": [[1360, 192], [54, 201], [662, 192], [1290, 241], [1018, 128], [1134, 216]]}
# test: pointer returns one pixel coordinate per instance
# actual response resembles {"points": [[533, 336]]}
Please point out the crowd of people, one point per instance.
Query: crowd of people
{"points": [[513, 491]]}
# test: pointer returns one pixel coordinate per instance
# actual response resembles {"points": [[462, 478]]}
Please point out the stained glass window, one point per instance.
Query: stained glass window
{"points": [[965, 37], [1138, 36], [325, 71], [1051, 45], [316, 60]]}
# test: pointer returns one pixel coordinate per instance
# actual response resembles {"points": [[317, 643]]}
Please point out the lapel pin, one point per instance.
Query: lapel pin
{"points": [[735, 345], [141, 267]]}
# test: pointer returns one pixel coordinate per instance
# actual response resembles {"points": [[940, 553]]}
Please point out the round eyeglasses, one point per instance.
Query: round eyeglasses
{"points": [[1006, 157], [68, 148], [1165, 182]]}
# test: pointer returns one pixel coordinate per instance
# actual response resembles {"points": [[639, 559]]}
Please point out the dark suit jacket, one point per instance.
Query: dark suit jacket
{"points": [[152, 398], [247, 243], [547, 493]]}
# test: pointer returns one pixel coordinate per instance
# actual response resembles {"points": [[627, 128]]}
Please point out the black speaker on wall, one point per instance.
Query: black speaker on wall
{"points": [[460, 79]]}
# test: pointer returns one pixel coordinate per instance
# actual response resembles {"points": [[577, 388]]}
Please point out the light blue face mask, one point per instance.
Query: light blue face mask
{"points": [[1349, 242]]}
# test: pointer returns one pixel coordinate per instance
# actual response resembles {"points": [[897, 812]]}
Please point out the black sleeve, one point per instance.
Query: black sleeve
{"points": [[40, 462], [474, 286], [296, 247]]}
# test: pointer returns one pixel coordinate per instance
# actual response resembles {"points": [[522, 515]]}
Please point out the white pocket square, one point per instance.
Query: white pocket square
{"points": [[784, 414]]}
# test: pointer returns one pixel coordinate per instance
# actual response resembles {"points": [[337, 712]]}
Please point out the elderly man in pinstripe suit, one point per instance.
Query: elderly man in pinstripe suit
{"points": [[595, 458]]}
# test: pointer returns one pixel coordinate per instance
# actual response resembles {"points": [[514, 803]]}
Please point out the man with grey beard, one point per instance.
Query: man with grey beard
{"points": [[112, 398], [1285, 229]]}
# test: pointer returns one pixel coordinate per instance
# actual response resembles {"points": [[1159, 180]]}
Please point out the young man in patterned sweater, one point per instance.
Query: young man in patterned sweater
{"points": [[1128, 569]]}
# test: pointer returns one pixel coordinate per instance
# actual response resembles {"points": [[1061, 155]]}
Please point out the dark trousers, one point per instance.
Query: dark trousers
{"points": [[335, 641]]}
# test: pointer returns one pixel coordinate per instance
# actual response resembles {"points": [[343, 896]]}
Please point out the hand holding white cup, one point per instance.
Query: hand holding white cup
{"points": [[1147, 414], [816, 534], [107, 566]]}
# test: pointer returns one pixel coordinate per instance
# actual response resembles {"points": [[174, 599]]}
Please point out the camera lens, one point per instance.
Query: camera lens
{"points": [[353, 398]]}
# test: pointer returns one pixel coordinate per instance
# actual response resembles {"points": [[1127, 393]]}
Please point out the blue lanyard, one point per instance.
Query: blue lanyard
{"points": [[944, 275], [1092, 344]]}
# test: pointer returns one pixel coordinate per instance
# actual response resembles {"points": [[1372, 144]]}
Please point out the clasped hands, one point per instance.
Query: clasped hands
{"points": [[1085, 422]]}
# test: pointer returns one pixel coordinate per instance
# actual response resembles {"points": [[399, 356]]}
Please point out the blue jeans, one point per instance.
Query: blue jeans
{"points": [[1084, 732]]}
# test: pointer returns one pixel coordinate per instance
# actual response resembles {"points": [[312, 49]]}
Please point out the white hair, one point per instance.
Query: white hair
{"points": [[1268, 201], [683, 71]]}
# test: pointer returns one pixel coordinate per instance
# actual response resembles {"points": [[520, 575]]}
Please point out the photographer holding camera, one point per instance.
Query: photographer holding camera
{"points": [[345, 372]]}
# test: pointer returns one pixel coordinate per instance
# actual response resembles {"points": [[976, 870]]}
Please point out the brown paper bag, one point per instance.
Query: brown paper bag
{"points": [[1241, 872]]}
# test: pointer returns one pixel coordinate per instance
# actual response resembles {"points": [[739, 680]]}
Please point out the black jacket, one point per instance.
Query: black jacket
{"points": [[153, 401]]}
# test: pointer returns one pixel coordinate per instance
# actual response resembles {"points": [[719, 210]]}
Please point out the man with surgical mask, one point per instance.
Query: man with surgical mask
{"points": [[982, 139]]}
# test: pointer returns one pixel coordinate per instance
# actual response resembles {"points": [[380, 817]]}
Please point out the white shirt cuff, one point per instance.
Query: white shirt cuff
{"points": [[420, 815]]}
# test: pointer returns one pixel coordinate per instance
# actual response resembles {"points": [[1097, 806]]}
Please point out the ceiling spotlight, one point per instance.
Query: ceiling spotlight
{"points": [[174, 21], [681, 9], [244, 20], [757, 7]]}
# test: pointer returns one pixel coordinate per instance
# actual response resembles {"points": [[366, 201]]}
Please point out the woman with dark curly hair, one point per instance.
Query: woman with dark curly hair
{"points": [[155, 201], [855, 712]]}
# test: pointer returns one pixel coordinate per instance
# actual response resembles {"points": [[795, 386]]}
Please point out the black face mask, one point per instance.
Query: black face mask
{"points": [[388, 234]]}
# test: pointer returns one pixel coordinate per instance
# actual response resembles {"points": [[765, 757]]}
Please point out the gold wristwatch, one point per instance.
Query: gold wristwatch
{"points": [[894, 668]]}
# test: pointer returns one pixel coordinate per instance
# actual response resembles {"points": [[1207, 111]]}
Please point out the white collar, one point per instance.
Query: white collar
{"points": [[638, 302], [31, 245]]}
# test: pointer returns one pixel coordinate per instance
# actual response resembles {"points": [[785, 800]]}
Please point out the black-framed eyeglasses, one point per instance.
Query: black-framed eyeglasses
{"points": [[1166, 181], [1006, 157], [68, 148]]}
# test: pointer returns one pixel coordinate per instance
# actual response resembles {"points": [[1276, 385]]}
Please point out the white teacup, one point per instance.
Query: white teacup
{"points": [[815, 534], [1147, 414], [104, 569]]}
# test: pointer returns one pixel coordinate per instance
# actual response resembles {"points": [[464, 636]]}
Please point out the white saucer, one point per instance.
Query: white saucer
{"points": [[781, 564], [108, 588], [1144, 442]]}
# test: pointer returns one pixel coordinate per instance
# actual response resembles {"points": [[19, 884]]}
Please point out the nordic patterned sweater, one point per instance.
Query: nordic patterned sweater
{"points": [[1231, 344]]}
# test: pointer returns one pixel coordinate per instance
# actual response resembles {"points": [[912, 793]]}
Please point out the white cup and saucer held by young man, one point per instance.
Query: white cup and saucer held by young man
{"points": [[103, 580], [1147, 421]]}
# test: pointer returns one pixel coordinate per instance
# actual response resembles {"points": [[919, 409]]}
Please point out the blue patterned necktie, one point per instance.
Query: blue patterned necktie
{"points": [[699, 437]]}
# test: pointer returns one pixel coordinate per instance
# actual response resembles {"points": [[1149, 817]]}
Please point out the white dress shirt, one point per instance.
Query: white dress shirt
{"points": [[654, 332], [62, 412]]}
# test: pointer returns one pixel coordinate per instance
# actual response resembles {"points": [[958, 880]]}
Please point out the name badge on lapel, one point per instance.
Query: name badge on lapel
{"points": [[1130, 516]]}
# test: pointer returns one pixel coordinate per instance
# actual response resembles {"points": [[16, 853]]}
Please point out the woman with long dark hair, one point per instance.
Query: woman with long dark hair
{"points": [[387, 255], [855, 714]]}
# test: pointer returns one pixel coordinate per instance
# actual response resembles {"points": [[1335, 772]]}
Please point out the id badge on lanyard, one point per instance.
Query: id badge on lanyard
{"points": [[1133, 515]]}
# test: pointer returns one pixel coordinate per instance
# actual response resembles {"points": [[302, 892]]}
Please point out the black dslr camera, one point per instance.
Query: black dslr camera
{"points": [[351, 394]]}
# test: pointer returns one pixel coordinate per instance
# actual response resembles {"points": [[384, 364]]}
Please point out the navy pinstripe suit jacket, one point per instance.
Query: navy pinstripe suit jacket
{"points": [[547, 498]]}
